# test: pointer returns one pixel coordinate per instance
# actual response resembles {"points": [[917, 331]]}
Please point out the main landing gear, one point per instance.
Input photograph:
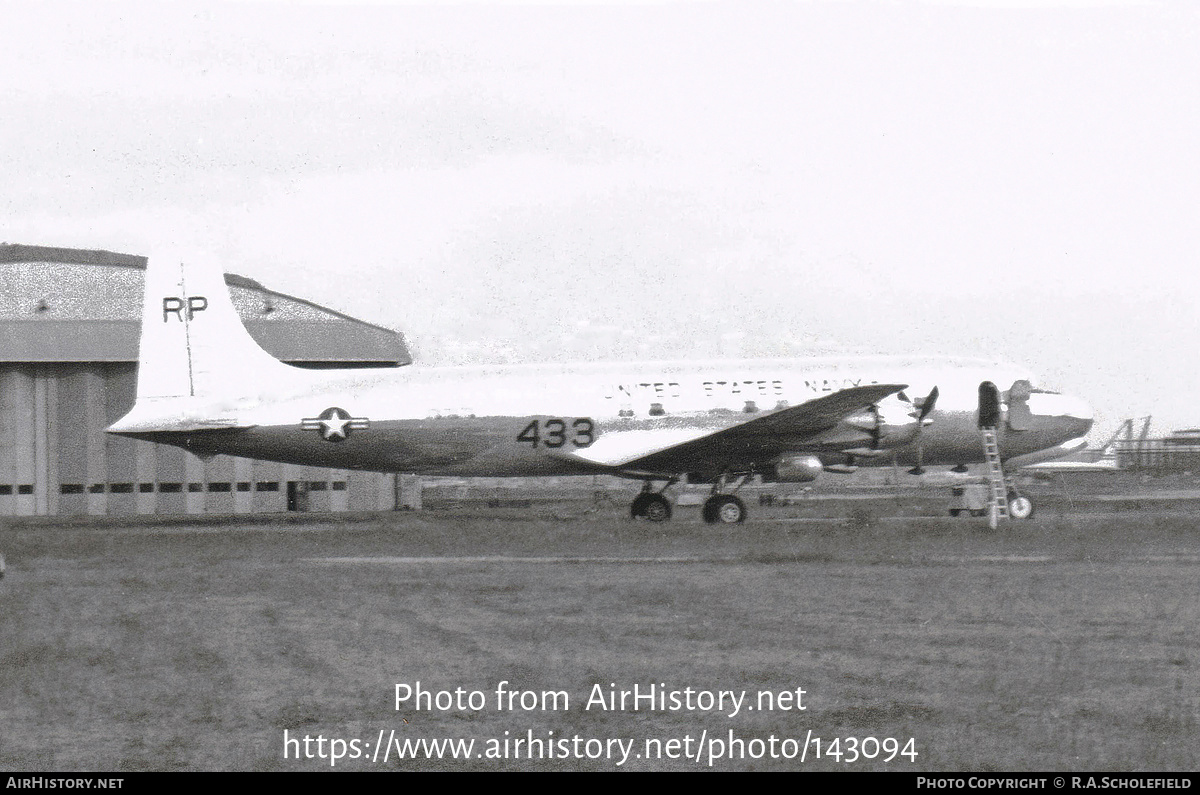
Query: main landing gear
{"points": [[724, 509], [653, 506]]}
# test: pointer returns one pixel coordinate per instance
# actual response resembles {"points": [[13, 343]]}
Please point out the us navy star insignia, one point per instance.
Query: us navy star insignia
{"points": [[334, 424]]}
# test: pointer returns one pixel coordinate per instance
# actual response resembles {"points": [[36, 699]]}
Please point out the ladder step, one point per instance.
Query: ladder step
{"points": [[999, 488]]}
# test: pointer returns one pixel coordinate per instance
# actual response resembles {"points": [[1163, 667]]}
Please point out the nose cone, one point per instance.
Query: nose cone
{"points": [[1067, 412], [1074, 407], [1082, 426], [1079, 415]]}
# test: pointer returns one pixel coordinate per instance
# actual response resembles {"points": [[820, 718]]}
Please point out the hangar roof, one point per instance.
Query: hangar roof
{"points": [[72, 305]]}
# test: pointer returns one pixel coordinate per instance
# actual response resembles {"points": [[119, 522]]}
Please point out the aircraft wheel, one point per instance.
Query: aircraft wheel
{"points": [[651, 507], [1020, 506], [955, 511], [724, 509], [638, 509]]}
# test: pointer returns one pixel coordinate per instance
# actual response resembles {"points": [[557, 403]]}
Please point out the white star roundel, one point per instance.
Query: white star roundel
{"points": [[334, 424]]}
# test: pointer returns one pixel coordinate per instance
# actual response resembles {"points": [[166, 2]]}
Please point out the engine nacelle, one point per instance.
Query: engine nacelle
{"points": [[897, 434], [795, 469], [885, 426]]}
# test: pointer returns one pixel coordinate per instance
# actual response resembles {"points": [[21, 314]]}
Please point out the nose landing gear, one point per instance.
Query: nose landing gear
{"points": [[1019, 506], [972, 499]]}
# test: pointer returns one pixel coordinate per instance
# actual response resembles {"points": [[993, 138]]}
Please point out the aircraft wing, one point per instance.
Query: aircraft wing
{"points": [[757, 441]]}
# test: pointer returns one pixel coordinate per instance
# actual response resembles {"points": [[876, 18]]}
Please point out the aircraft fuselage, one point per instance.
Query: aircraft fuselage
{"points": [[542, 420]]}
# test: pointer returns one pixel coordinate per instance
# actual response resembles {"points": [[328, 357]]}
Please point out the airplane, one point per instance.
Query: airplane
{"points": [[205, 385]]}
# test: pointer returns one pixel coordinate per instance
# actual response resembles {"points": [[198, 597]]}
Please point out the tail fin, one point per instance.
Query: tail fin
{"points": [[196, 361]]}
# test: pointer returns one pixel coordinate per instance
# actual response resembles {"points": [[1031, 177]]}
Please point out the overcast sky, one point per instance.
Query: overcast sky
{"points": [[1017, 181]]}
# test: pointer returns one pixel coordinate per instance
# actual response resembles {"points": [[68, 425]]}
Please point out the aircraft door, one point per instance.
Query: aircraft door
{"points": [[989, 405]]}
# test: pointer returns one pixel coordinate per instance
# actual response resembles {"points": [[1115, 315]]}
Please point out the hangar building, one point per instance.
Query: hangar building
{"points": [[69, 326]]}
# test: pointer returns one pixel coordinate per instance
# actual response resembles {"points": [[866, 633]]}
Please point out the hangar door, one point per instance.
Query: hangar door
{"points": [[24, 442]]}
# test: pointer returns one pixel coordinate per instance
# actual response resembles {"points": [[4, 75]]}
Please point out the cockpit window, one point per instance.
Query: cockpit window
{"points": [[1037, 388]]}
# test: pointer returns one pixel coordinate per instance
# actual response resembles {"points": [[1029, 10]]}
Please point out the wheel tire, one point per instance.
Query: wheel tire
{"points": [[638, 509], [727, 509], [1020, 506], [651, 507], [955, 511], [657, 509]]}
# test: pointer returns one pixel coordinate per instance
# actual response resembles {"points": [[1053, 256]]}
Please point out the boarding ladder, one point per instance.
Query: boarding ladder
{"points": [[997, 488]]}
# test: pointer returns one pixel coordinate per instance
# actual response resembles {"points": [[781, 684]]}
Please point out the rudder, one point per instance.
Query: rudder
{"points": [[193, 343]]}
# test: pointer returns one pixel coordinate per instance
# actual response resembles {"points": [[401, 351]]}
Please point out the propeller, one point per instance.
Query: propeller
{"points": [[919, 413]]}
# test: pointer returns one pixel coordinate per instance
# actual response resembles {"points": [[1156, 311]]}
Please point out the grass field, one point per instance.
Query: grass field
{"points": [[1064, 643]]}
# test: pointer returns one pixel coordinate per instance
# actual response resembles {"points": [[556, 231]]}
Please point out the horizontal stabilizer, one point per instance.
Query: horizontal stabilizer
{"points": [[173, 415]]}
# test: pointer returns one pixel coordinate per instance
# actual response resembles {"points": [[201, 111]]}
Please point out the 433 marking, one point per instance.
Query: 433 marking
{"points": [[555, 432]]}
